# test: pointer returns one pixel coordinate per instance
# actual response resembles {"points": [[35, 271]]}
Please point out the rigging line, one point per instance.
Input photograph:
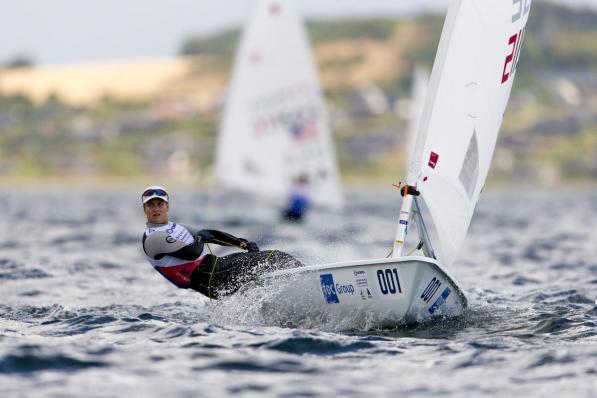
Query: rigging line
{"points": [[269, 255], [211, 274], [418, 247], [424, 229], [222, 243], [213, 269], [266, 262]]}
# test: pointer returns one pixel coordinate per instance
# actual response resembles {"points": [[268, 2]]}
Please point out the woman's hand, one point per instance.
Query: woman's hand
{"points": [[251, 247]]}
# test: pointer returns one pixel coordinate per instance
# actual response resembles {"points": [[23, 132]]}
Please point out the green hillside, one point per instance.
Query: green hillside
{"points": [[548, 136]]}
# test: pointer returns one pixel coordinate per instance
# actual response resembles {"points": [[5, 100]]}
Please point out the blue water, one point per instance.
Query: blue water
{"points": [[83, 315]]}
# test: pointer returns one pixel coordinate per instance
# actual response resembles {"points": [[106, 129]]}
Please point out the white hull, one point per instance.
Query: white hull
{"points": [[387, 291]]}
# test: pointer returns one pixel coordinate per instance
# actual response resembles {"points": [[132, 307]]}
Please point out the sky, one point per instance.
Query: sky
{"points": [[72, 31]]}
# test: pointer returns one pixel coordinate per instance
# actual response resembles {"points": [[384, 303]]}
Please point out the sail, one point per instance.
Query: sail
{"points": [[468, 93], [275, 127], [418, 93]]}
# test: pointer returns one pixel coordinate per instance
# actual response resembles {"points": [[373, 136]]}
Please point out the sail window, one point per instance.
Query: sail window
{"points": [[469, 173], [433, 158]]}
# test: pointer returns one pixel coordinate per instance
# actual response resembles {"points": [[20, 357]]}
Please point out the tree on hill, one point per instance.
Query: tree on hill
{"points": [[19, 61]]}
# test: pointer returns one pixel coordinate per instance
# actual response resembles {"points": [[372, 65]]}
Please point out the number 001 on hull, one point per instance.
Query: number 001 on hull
{"points": [[388, 291]]}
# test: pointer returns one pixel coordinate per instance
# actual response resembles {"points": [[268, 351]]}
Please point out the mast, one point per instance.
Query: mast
{"points": [[419, 90], [402, 230], [407, 192]]}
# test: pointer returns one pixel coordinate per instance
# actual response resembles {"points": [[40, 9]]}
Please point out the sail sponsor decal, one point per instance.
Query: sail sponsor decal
{"points": [[304, 129], [294, 110], [469, 172], [433, 158], [295, 115], [332, 291], [440, 300], [300, 122]]}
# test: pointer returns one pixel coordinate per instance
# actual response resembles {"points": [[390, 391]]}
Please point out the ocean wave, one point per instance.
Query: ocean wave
{"points": [[28, 359]]}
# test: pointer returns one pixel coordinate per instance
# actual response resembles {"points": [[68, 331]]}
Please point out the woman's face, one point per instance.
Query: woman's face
{"points": [[156, 211]]}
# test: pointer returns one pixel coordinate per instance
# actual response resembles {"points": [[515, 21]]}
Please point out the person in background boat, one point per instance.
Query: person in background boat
{"points": [[179, 252], [299, 200]]}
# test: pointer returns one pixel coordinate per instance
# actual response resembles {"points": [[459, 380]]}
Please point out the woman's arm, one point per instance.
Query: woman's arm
{"points": [[225, 239], [159, 244], [221, 238]]}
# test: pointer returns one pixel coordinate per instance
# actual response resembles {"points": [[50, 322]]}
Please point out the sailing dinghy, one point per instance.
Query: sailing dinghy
{"points": [[468, 92], [275, 126]]}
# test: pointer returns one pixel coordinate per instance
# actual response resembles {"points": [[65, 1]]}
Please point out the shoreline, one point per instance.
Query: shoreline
{"points": [[349, 183]]}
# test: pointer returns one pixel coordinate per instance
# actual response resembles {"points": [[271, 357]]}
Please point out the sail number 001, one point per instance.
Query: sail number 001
{"points": [[388, 281]]}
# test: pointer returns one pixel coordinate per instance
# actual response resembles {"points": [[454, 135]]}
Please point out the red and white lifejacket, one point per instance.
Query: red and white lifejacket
{"points": [[175, 236]]}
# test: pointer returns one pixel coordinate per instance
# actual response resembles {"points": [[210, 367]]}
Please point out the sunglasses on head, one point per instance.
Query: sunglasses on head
{"points": [[155, 192]]}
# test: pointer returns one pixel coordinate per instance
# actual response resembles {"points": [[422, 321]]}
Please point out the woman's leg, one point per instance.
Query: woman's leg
{"points": [[225, 275]]}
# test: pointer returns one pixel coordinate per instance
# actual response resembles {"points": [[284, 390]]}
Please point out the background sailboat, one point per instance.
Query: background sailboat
{"points": [[469, 89], [275, 127]]}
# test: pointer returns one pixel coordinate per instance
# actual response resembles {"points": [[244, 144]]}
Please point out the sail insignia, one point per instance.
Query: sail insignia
{"points": [[469, 173]]}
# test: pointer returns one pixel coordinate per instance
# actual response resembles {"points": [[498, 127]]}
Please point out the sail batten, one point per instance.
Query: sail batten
{"points": [[469, 89]]}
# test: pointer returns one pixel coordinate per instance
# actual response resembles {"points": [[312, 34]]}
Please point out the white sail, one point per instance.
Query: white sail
{"points": [[418, 93], [275, 126], [468, 93]]}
